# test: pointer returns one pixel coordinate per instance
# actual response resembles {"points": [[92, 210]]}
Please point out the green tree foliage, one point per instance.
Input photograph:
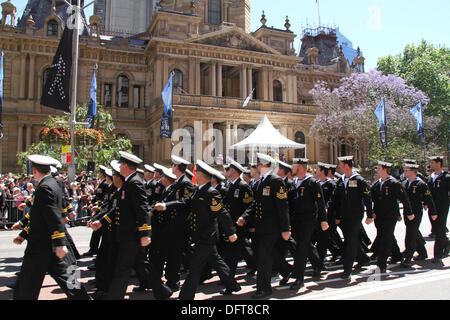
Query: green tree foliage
{"points": [[426, 68]]}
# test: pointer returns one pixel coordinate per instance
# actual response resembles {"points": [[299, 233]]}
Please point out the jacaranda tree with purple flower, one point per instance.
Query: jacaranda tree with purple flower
{"points": [[347, 114]]}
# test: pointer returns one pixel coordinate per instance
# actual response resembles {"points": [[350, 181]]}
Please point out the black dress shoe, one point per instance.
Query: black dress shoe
{"points": [[261, 294], [394, 260], [420, 257], [227, 292], [345, 275], [406, 264], [89, 254], [140, 289], [436, 260], [11, 285], [251, 272], [173, 286], [285, 280], [297, 285]]}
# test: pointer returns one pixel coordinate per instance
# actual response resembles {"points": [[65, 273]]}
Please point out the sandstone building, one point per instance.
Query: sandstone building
{"points": [[216, 60]]}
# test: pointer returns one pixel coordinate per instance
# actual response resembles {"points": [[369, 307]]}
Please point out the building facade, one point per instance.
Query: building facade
{"points": [[216, 61]]}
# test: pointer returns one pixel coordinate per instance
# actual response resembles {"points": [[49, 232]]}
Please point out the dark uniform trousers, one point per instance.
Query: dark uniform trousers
{"points": [[44, 232], [419, 195], [176, 238], [309, 208], [269, 214], [348, 201], [237, 198], [97, 235], [203, 254], [103, 272], [34, 268], [206, 208], [385, 198]]}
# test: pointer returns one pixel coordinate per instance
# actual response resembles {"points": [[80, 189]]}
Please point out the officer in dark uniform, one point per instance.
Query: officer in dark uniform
{"points": [[282, 247], [66, 210], [145, 270], [103, 272], [351, 195], [162, 238], [182, 188], [309, 208], [205, 205], [386, 193], [328, 239], [439, 184], [155, 189], [98, 199], [237, 199], [269, 216], [131, 228], [47, 244], [419, 195]]}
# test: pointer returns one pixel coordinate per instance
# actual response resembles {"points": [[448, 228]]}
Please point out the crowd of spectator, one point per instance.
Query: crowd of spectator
{"points": [[16, 190]]}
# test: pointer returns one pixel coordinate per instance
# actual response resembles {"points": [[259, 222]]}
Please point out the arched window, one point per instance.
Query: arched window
{"points": [[123, 97], [177, 81], [45, 76], [277, 91], [189, 154], [52, 28], [300, 138], [214, 12]]}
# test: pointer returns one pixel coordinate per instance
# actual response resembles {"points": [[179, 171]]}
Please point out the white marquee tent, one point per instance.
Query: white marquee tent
{"points": [[266, 137]]}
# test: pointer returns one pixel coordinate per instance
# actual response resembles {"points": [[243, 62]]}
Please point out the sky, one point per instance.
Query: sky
{"points": [[378, 27]]}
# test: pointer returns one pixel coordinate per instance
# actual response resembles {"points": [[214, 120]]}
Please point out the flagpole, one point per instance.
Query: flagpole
{"points": [[73, 108]]}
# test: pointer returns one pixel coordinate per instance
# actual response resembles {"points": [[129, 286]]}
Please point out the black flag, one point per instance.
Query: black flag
{"points": [[56, 92]]}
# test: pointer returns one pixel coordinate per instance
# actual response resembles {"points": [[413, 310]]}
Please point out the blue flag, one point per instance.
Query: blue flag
{"points": [[1, 94], [381, 115], [417, 112], [166, 121], [92, 108]]}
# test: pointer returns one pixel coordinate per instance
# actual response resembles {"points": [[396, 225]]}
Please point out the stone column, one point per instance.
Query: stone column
{"points": [[197, 76], [28, 136], [31, 77], [131, 95], [23, 65], [263, 83], [191, 76], [234, 138], [270, 85], [228, 141], [243, 80], [316, 149], [19, 137], [219, 79], [212, 78], [198, 140], [330, 153], [165, 71], [158, 77], [249, 80]]}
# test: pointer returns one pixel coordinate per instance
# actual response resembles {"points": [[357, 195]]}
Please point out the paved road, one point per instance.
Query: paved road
{"points": [[423, 282]]}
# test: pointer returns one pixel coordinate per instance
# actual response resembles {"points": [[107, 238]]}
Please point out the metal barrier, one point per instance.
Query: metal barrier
{"points": [[10, 213]]}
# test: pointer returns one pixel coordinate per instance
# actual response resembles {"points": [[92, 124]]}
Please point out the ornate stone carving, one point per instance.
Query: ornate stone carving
{"points": [[8, 9]]}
